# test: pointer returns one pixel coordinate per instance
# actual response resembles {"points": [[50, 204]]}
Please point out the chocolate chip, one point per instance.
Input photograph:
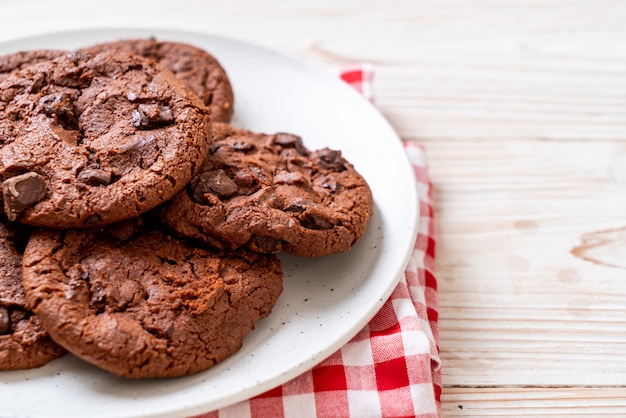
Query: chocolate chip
{"points": [[331, 185], [214, 147], [77, 56], [260, 175], [21, 192], [286, 177], [60, 107], [292, 156], [289, 140], [196, 190], [56, 104], [330, 160], [243, 146], [249, 180], [95, 176], [5, 321], [216, 182], [152, 116], [265, 245], [298, 205], [202, 194], [313, 221], [98, 298]]}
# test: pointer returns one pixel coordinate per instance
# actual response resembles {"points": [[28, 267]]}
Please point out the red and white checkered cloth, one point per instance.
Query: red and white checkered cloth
{"points": [[391, 368]]}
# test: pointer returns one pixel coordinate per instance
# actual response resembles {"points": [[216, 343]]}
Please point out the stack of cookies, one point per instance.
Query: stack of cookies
{"points": [[138, 228]]}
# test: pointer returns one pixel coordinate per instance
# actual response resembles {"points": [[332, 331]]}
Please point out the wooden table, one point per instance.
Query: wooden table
{"points": [[522, 109]]}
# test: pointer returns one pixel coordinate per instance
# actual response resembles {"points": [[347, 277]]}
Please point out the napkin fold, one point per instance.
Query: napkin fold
{"points": [[391, 368]]}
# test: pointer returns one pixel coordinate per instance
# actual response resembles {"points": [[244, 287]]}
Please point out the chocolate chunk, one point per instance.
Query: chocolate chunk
{"points": [[330, 160], [260, 174], [216, 182], [98, 298], [331, 185], [60, 107], [243, 146], [198, 191], [21, 192], [95, 176], [56, 104], [290, 140], [214, 147], [5, 321], [152, 116], [313, 221], [77, 56], [221, 184], [292, 156], [298, 205], [249, 179], [265, 245], [238, 145]]}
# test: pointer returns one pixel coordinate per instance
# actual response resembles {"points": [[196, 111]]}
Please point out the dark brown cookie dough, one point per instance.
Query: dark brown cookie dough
{"points": [[270, 193], [23, 342], [140, 303], [91, 140], [21, 59], [198, 69]]}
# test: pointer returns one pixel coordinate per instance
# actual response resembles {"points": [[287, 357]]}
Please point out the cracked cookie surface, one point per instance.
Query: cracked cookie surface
{"points": [[270, 193], [140, 303], [21, 59], [92, 140], [198, 69], [24, 344]]}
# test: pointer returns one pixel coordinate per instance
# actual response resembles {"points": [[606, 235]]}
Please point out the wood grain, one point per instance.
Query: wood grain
{"points": [[519, 304], [451, 70], [522, 108], [537, 402]]}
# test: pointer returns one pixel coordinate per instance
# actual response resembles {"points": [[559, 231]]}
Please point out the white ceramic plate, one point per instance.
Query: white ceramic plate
{"points": [[326, 301]]}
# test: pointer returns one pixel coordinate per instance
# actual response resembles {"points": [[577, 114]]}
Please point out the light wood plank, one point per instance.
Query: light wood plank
{"points": [[518, 305], [453, 70], [534, 402]]}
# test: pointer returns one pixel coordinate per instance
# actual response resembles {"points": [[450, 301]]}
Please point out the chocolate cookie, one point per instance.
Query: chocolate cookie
{"points": [[19, 60], [140, 303], [24, 344], [91, 140], [198, 69], [270, 193]]}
